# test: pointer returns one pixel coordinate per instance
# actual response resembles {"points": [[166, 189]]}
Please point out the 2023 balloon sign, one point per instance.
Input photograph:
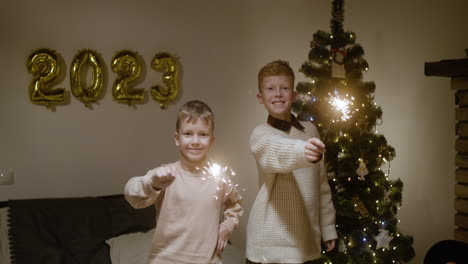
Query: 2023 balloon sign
{"points": [[44, 64]]}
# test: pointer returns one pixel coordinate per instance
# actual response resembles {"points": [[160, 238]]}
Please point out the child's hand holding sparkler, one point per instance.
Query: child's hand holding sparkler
{"points": [[161, 177], [314, 149]]}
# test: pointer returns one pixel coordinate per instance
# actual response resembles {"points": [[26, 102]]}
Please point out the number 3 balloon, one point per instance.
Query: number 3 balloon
{"points": [[168, 65]]}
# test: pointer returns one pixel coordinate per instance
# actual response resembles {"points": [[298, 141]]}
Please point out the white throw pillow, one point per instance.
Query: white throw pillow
{"points": [[130, 248], [4, 242]]}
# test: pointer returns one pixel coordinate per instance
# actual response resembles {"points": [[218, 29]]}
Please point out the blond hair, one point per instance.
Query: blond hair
{"points": [[193, 110], [275, 68]]}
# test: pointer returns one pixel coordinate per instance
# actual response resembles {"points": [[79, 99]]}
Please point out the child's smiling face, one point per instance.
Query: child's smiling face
{"points": [[277, 94], [194, 139]]}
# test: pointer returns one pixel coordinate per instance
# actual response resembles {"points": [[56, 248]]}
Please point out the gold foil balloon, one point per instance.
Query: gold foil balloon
{"points": [[167, 64], [45, 66], [81, 62], [127, 65]]}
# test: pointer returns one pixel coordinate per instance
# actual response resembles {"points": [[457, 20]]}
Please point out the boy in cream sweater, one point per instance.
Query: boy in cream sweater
{"points": [[188, 204], [293, 212]]}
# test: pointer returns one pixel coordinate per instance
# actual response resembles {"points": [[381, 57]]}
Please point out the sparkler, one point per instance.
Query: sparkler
{"points": [[342, 106], [218, 173]]}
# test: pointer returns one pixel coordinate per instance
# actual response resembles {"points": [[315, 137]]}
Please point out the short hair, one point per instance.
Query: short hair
{"points": [[275, 68], [193, 110]]}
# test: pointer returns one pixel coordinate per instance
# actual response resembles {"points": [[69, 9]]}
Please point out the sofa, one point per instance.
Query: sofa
{"points": [[75, 230]]}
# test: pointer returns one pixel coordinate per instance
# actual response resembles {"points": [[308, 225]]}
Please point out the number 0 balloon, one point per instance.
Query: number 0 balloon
{"points": [[81, 62]]}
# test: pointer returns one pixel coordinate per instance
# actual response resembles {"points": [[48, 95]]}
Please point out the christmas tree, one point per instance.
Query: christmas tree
{"points": [[358, 159]]}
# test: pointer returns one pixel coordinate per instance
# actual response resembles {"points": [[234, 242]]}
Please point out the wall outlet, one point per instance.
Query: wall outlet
{"points": [[7, 177]]}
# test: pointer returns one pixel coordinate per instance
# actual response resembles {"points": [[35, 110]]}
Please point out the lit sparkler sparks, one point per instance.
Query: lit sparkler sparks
{"points": [[341, 105], [219, 174]]}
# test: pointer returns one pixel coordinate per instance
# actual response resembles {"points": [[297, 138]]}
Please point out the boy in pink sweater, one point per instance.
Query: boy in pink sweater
{"points": [[293, 212], [188, 203]]}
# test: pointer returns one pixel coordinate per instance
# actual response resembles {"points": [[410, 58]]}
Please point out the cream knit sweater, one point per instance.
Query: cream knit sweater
{"points": [[293, 210], [188, 215]]}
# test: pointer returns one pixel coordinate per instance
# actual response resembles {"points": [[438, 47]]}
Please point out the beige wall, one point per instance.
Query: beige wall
{"points": [[76, 151]]}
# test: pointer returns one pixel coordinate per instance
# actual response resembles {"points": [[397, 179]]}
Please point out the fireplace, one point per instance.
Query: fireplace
{"points": [[457, 70]]}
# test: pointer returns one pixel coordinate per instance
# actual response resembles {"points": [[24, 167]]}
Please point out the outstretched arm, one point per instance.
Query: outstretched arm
{"points": [[143, 191], [277, 152]]}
